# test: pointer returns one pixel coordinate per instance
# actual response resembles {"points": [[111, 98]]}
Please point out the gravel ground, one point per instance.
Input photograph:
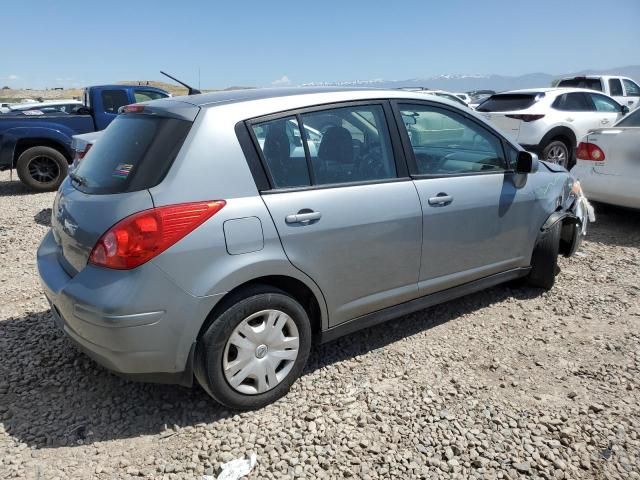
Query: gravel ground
{"points": [[507, 383]]}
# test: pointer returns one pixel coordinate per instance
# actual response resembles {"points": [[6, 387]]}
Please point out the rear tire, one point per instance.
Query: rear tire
{"points": [[558, 152], [42, 168], [220, 350], [544, 260]]}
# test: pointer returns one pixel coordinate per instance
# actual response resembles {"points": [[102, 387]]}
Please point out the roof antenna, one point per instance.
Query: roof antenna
{"points": [[192, 91]]}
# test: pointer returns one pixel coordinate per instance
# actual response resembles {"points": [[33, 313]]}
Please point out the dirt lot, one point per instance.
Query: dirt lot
{"points": [[511, 382]]}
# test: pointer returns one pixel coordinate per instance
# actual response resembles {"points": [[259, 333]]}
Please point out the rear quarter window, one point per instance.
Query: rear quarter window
{"points": [[134, 153], [508, 102]]}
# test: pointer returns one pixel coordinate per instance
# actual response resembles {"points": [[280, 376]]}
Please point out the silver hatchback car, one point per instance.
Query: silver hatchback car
{"points": [[217, 236]]}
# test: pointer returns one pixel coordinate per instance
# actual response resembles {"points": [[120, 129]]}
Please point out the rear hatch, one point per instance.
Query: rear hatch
{"points": [[134, 154], [507, 111]]}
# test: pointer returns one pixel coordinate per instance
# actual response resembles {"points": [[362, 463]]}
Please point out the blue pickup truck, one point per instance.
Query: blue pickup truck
{"points": [[38, 145]]}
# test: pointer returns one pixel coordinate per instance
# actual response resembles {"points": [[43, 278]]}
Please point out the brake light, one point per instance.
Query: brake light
{"points": [[590, 151], [80, 154], [526, 117], [133, 108], [144, 235]]}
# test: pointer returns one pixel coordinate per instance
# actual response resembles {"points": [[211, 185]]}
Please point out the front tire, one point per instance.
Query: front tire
{"points": [[558, 152], [251, 354], [42, 168], [544, 260]]}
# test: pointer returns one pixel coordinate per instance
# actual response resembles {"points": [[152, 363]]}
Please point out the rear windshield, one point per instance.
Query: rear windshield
{"points": [[631, 120], [507, 102], [134, 152], [589, 83]]}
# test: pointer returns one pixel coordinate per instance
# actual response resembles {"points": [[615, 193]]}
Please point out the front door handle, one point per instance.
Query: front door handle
{"points": [[440, 200], [303, 216]]}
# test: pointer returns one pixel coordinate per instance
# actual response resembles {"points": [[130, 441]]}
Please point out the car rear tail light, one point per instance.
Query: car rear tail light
{"points": [[144, 235], [80, 154], [132, 108], [590, 151], [526, 118]]}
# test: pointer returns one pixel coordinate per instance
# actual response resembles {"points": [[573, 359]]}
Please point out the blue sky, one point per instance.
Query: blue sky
{"points": [[262, 43]]}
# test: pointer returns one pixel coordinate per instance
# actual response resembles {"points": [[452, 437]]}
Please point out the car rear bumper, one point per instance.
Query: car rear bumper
{"points": [[137, 323], [620, 190]]}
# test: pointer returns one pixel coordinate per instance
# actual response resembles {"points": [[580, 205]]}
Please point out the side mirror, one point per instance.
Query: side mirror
{"points": [[624, 109], [527, 162]]}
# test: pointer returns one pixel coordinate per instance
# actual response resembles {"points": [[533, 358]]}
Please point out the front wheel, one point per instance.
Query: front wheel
{"points": [[557, 152], [255, 350], [42, 168]]}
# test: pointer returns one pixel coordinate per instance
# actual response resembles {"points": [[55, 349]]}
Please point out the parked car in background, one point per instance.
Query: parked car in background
{"points": [[549, 121], [438, 93], [199, 239], [81, 144], [39, 145], [623, 90], [478, 96], [64, 106], [608, 163], [4, 107]]}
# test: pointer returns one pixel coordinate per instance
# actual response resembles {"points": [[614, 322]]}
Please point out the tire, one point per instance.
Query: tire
{"points": [[42, 168], [558, 152], [544, 260], [218, 347]]}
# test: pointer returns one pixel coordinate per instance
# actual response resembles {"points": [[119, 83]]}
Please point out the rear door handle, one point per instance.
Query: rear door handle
{"points": [[604, 122], [440, 200], [304, 217]]}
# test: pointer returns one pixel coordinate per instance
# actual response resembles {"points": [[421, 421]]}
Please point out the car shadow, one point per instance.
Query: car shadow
{"points": [[12, 188], [615, 226], [52, 395]]}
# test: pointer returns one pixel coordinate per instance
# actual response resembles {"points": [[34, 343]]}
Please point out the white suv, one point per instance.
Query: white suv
{"points": [[549, 121]]}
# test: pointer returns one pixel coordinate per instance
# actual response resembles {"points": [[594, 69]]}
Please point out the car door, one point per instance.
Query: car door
{"points": [[579, 112], [615, 90], [631, 94], [346, 211], [477, 214], [607, 111]]}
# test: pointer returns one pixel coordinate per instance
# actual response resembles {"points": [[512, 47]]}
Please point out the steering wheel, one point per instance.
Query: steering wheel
{"points": [[370, 165]]}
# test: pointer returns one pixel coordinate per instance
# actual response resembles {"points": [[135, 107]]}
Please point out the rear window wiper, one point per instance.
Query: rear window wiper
{"points": [[79, 179]]}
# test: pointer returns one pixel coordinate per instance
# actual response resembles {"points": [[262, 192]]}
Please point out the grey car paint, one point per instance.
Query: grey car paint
{"points": [[374, 245]]}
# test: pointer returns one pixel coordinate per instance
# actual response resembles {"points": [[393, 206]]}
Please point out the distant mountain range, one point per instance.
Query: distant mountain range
{"points": [[465, 83]]}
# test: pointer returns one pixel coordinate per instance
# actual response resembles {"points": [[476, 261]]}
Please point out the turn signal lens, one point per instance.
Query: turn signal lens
{"points": [[144, 235]]}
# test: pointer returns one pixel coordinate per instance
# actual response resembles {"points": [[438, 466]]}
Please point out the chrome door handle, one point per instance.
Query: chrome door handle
{"points": [[440, 200], [303, 217], [604, 122]]}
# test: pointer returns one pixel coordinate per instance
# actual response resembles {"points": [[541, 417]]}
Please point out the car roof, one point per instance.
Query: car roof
{"points": [[317, 95]]}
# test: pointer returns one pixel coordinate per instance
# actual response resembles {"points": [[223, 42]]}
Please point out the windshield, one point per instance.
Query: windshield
{"points": [[588, 83], [134, 153]]}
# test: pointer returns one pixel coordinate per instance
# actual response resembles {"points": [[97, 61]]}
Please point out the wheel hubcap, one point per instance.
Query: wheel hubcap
{"points": [[260, 352], [44, 169], [557, 154]]}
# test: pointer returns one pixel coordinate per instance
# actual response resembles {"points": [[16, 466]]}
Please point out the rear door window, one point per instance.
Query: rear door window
{"points": [[615, 87], [573, 102], [134, 153], [112, 100], [334, 146], [508, 102]]}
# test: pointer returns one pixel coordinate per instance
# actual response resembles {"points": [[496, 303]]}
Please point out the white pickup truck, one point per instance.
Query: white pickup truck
{"points": [[623, 89]]}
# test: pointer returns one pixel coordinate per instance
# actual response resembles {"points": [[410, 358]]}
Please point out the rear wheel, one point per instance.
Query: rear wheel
{"points": [[557, 152], [252, 352], [42, 168], [544, 260]]}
